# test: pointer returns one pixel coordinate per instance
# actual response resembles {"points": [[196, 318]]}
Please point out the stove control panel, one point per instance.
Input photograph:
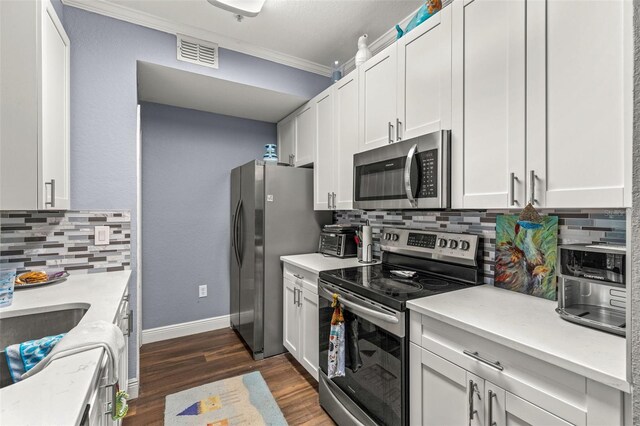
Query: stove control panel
{"points": [[447, 246]]}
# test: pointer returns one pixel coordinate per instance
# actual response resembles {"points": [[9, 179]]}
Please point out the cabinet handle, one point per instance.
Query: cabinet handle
{"points": [[333, 200], [329, 200], [532, 185], [473, 388], [300, 277], [398, 124], [51, 203], [391, 133], [295, 296], [476, 356], [512, 189], [490, 402]]}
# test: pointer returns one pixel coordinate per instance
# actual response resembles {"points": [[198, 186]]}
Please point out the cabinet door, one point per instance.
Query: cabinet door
{"points": [[286, 136], [291, 317], [309, 332], [346, 137], [488, 85], [424, 77], [437, 390], [54, 183], [378, 99], [475, 401], [579, 102], [305, 136], [323, 167]]}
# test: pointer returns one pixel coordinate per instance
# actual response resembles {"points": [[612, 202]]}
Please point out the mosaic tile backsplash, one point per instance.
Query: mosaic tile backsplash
{"points": [[575, 226], [63, 240]]}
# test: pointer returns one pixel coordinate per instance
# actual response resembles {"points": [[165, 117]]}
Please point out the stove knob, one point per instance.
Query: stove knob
{"points": [[442, 243], [395, 237], [464, 245], [453, 244]]}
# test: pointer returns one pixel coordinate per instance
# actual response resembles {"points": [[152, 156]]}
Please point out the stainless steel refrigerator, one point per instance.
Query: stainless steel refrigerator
{"points": [[271, 215]]}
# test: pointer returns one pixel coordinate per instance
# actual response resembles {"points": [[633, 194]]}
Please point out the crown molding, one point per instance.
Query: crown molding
{"points": [[147, 20]]}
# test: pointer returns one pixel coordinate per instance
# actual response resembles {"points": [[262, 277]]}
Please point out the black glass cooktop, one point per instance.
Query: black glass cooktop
{"points": [[378, 283]]}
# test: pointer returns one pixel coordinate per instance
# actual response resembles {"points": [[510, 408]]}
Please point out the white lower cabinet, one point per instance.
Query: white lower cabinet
{"points": [[300, 316], [492, 385]]}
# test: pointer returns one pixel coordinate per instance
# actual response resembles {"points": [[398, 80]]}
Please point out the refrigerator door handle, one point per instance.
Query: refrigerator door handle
{"points": [[239, 236], [235, 233]]}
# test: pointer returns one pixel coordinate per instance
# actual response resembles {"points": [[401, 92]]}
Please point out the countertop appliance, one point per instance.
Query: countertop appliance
{"points": [[271, 216], [338, 241], [592, 286], [374, 390], [412, 174]]}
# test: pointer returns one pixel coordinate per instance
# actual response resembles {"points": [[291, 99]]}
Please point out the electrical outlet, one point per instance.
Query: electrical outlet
{"points": [[202, 291]]}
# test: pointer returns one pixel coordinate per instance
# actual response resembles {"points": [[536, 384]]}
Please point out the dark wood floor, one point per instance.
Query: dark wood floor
{"points": [[175, 365]]}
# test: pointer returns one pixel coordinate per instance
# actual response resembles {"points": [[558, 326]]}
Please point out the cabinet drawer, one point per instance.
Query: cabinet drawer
{"points": [[537, 381], [300, 276]]}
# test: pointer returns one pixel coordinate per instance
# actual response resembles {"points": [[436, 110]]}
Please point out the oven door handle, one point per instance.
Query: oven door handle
{"points": [[407, 175], [361, 309]]}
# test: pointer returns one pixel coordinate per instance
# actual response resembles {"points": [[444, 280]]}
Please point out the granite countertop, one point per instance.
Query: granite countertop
{"points": [[531, 325], [316, 262], [60, 392]]}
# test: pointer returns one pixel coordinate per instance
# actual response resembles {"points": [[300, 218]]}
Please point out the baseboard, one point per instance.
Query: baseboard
{"points": [[132, 388], [184, 329]]}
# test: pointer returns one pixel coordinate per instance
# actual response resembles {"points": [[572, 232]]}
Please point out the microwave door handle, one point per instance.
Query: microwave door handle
{"points": [[407, 174]]}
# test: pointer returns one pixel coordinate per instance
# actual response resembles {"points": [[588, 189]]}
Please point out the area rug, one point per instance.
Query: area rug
{"points": [[241, 400]]}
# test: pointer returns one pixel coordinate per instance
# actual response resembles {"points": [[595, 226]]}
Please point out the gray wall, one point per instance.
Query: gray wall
{"points": [[104, 52], [187, 157]]}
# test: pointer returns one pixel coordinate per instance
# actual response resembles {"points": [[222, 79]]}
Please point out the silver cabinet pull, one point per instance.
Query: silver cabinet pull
{"points": [[51, 203], [295, 296], [300, 277], [477, 357], [490, 402], [391, 133], [329, 200], [398, 124], [512, 189], [532, 187], [407, 175], [333, 200], [473, 388]]}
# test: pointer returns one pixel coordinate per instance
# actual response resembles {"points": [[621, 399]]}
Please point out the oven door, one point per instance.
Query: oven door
{"points": [[411, 174], [375, 385]]}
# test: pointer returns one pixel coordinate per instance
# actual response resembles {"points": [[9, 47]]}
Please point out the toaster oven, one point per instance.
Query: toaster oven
{"points": [[591, 286], [339, 244]]}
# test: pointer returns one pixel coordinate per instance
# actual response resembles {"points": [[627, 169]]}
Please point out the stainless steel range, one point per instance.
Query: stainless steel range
{"points": [[374, 390]]}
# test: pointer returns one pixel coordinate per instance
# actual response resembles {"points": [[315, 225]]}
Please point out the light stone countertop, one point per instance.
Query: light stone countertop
{"points": [[316, 262], [530, 325], [59, 393]]}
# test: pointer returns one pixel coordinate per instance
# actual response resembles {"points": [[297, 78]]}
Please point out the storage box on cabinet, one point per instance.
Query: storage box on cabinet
{"points": [[34, 107], [525, 387]]}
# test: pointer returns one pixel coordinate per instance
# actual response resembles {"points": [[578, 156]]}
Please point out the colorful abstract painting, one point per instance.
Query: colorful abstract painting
{"points": [[526, 255]]}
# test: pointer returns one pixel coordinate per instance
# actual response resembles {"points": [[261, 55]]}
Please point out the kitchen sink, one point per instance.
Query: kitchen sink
{"points": [[20, 328]]}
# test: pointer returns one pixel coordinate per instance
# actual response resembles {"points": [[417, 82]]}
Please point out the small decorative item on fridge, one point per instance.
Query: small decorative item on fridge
{"points": [[526, 253], [270, 153], [335, 363], [428, 9], [363, 53]]}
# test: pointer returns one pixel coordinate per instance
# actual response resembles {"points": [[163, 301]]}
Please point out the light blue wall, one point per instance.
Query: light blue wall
{"points": [[104, 52], [187, 157]]}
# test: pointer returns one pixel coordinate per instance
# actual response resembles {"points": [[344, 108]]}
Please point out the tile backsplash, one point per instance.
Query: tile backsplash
{"points": [[64, 240], [575, 226]]}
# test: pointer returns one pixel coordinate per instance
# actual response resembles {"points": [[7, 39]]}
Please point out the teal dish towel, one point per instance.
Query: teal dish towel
{"points": [[22, 357]]}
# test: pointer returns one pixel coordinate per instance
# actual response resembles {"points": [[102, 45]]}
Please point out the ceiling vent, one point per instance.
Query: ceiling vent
{"points": [[197, 51]]}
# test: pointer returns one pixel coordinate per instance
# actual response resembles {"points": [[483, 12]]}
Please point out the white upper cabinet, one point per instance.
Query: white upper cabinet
{"points": [[286, 138], [378, 94], [326, 155], [346, 138], [424, 78], [34, 107], [488, 134], [579, 103], [305, 136]]}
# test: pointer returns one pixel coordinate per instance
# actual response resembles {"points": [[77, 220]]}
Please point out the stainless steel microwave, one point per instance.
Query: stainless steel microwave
{"points": [[412, 174]]}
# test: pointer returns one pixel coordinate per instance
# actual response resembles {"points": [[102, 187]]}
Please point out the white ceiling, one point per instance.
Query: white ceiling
{"points": [[318, 31], [170, 86]]}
